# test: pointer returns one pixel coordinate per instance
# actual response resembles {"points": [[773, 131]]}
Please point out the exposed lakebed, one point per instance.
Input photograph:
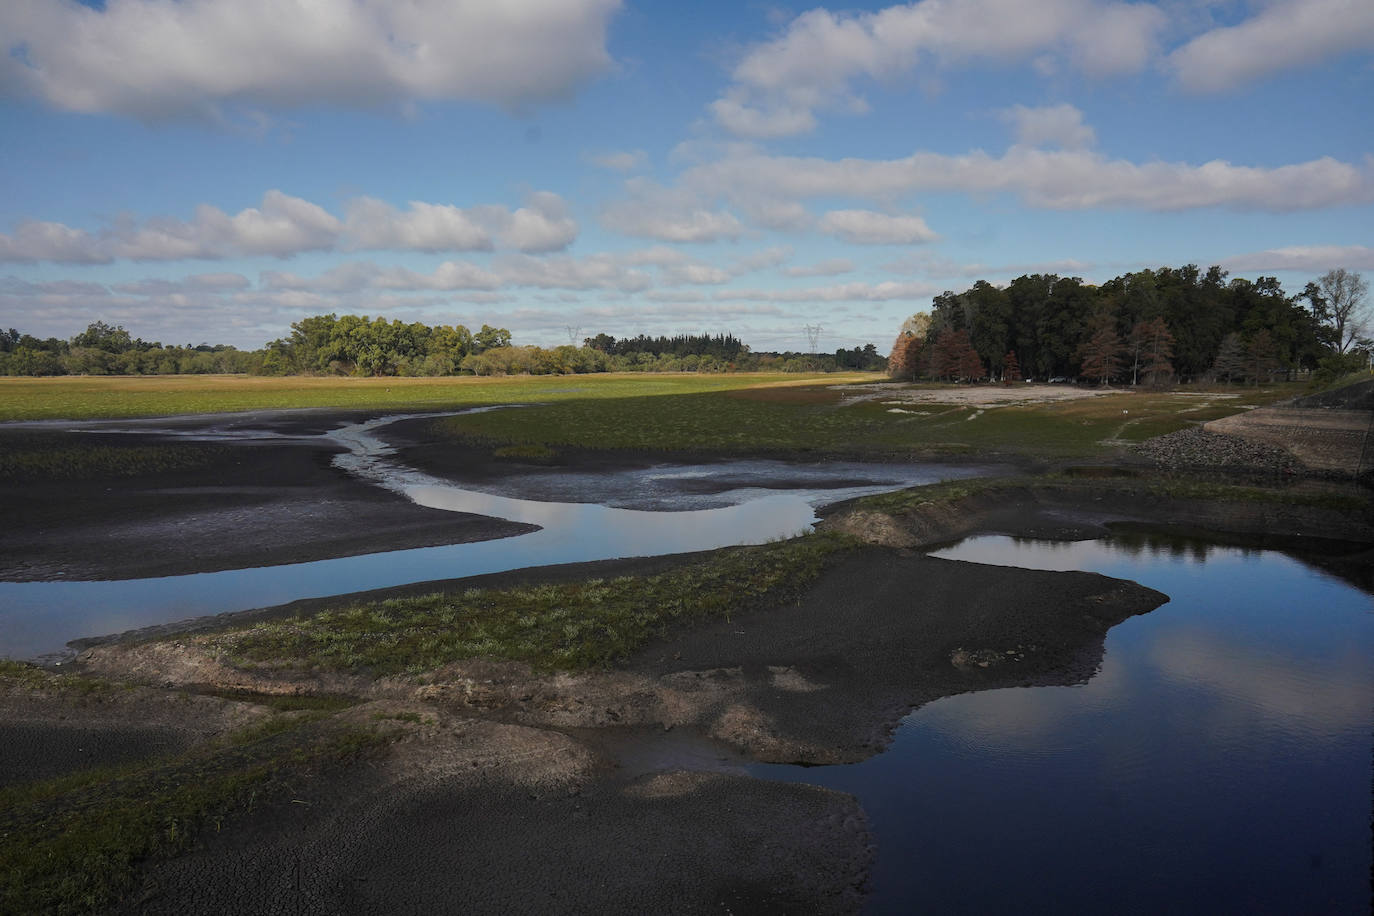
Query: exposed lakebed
{"points": [[582, 516], [1218, 762]]}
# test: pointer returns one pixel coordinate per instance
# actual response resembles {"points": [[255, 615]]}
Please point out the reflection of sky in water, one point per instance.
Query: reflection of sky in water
{"points": [[40, 617], [1219, 762]]}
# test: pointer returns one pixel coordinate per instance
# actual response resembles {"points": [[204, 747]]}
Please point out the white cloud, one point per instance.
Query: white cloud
{"points": [[1052, 179], [199, 283], [1281, 36], [154, 59], [364, 275], [594, 272], [736, 116], [1316, 259], [845, 292], [814, 62], [284, 226], [828, 268], [669, 215], [1055, 125], [44, 241], [865, 227], [375, 224], [943, 267], [761, 260], [542, 225]]}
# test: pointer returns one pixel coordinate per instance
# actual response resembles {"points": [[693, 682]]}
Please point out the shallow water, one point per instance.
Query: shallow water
{"points": [[680, 508], [1220, 761]]}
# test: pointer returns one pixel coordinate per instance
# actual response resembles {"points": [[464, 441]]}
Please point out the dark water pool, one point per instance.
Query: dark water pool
{"points": [[1220, 762]]}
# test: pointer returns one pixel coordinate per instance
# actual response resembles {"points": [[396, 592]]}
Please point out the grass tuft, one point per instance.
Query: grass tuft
{"points": [[574, 625]]}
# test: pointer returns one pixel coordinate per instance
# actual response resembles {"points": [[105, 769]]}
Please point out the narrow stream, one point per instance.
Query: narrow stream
{"points": [[680, 508], [1220, 761]]}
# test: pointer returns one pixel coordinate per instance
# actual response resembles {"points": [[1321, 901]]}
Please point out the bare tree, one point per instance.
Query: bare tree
{"points": [[1338, 302]]}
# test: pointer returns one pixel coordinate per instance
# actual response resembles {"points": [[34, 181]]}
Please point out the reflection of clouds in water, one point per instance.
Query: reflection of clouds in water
{"points": [[1035, 721], [999, 550], [1316, 698]]}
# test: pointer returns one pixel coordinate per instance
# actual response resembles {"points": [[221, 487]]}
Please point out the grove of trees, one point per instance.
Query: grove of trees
{"points": [[360, 345], [1149, 327]]}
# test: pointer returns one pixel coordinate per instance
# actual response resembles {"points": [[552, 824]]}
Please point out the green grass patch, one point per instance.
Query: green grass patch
{"points": [[30, 458], [76, 844], [949, 494], [554, 626], [24, 676], [524, 451], [84, 397], [814, 421]]}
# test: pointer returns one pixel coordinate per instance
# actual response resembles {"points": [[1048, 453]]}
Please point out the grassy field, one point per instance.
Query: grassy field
{"points": [[817, 420], [91, 397]]}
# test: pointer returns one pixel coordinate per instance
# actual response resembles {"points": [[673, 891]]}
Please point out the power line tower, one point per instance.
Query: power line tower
{"points": [[813, 336], [573, 333]]}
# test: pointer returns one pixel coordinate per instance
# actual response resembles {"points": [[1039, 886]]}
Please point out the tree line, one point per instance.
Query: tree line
{"points": [[360, 345], [1148, 327]]}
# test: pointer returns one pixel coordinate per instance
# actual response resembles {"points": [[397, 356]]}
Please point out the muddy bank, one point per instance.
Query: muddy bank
{"points": [[508, 793], [138, 499]]}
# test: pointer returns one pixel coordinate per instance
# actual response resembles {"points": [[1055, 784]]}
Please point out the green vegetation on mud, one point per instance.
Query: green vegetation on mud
{"points": [[47, 456], [564, 626], [76, 843], [95, 397], [824, 421], [951, 493]]}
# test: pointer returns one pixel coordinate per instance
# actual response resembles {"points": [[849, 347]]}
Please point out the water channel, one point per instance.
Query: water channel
{"points": [[642, 512], [1220, 761]]}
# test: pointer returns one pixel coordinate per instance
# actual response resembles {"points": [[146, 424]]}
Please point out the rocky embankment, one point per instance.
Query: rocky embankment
{"points": [[1198, 449]]}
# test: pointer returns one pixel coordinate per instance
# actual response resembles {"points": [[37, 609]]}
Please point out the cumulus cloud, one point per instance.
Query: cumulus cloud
{"points": [[284, 226], [364, 275], [153, 59], [375, 224], [668, 215], [1311, 258], [1052, 179], [542, 225], [843, 292], [1055, 125], [1281, 36], [815, 61], [865, 227], [943, 267]]}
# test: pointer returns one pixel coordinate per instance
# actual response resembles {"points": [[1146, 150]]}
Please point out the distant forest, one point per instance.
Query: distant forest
{"points": [[1150, 326], [360, 345]]}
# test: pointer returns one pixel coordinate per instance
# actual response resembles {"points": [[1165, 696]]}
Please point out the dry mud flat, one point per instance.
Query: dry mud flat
{"points": [[254, 489]]}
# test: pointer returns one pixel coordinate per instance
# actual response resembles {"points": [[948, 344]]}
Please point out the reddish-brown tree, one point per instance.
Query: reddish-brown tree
{"points": [[1154, 346], [953, 357], [1102, 353], [905, 360], [971, 364], [1011, 369]]}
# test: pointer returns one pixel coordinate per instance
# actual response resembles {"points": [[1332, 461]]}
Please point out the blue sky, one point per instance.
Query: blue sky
{"points": [[213, 170]]}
